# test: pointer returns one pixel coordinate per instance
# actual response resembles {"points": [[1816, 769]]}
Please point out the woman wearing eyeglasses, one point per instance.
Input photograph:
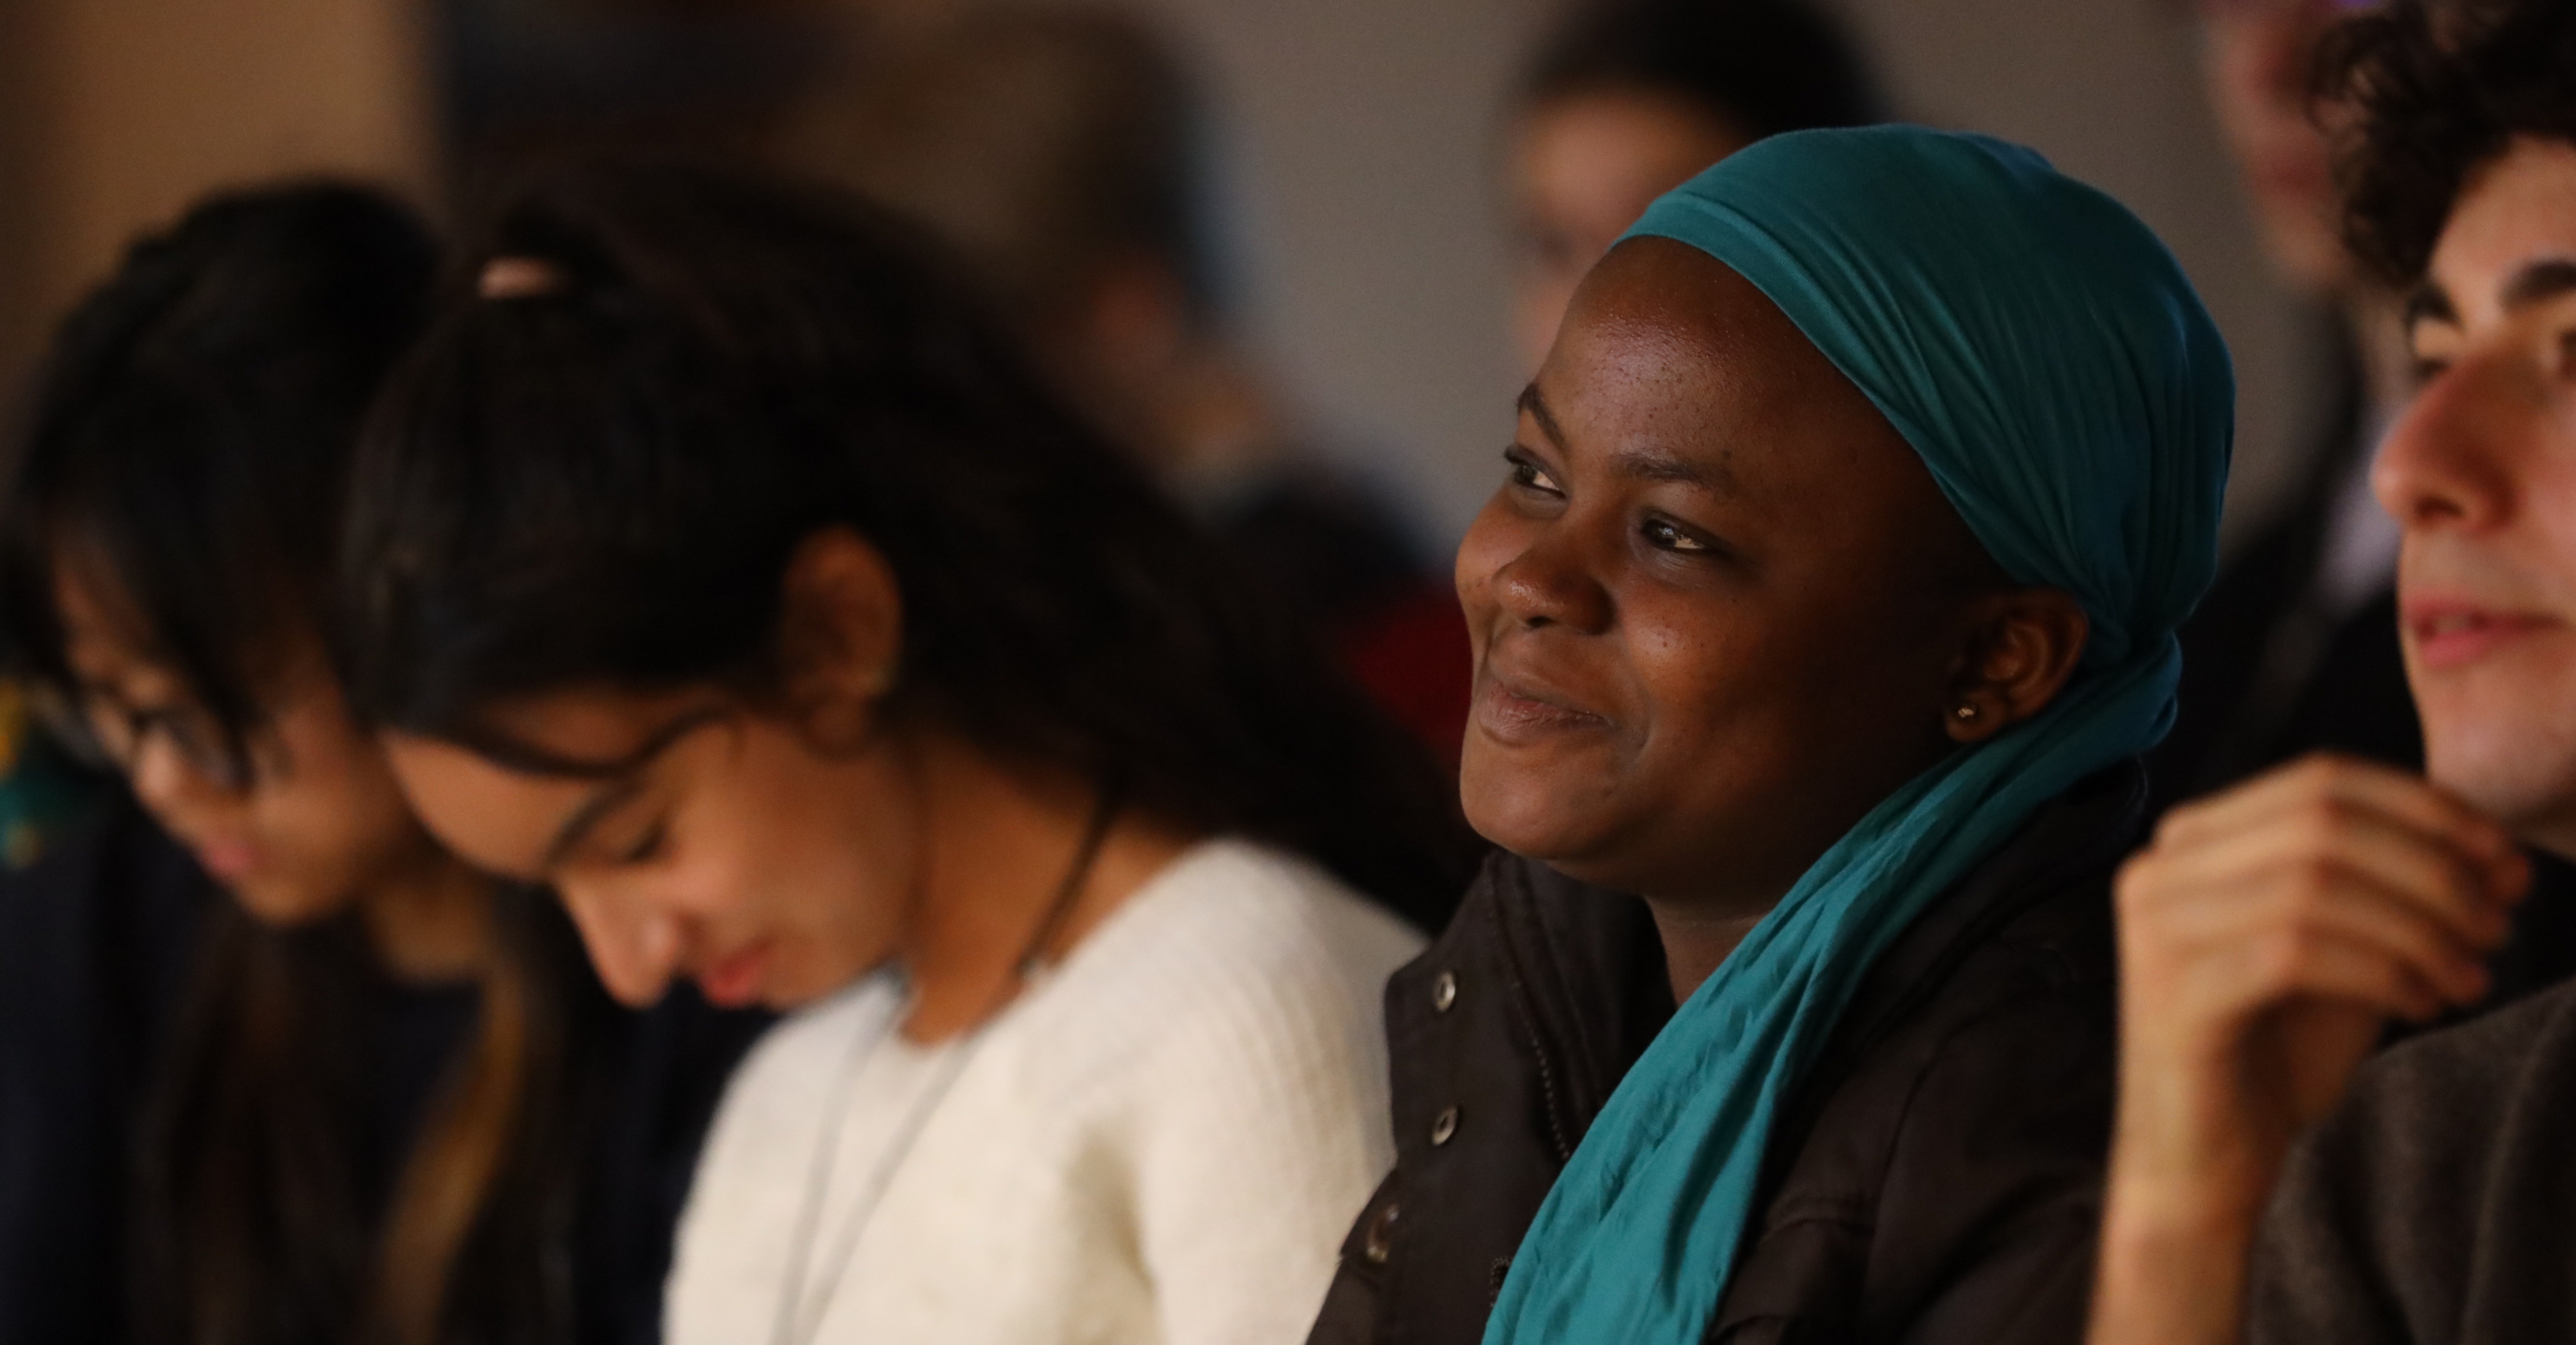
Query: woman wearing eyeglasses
{"points": [[275, 1068]]}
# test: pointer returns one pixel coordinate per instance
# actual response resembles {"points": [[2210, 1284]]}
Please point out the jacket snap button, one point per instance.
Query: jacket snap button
{"points": [[1443, 1126], [1381, 1236], [1444, 992]]}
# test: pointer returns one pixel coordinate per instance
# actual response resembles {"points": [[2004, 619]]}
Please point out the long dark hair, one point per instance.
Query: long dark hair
{"points": [[601, 484], [189, 444]]}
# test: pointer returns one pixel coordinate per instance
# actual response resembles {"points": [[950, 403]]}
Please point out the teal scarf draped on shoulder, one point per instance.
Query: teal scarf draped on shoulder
{"points": [[2046, 357]]}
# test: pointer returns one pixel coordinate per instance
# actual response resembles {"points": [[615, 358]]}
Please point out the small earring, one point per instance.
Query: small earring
{"points": [[1966, 712]]}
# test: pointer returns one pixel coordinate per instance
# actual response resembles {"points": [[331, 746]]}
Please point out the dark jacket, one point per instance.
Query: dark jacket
{"points": [[2434, 1206], [98, 950], [1936, 1178]]}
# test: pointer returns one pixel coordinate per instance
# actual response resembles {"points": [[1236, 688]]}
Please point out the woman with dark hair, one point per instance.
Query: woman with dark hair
{"points": [[720, 566], [1826, 603], [277, 1069], [1628, 98]]}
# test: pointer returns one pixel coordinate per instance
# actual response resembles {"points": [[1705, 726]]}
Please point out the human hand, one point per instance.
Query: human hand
{"points": [[2266, 937]]}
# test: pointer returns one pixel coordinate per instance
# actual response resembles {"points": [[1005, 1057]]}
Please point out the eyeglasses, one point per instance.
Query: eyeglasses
{"points": [[103, 727]]}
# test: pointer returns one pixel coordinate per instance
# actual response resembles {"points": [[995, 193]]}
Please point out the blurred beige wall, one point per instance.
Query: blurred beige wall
{"points": [[1366, 132], [1359, 138], [114, 114]]}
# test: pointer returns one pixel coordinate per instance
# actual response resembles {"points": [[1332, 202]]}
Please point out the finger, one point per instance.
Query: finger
{"points": [[2240, 969], [2322, 776], [2320, 791], [2247, 899], [2276, 872], [2394, 861], [2403, 930], [2327, 964]]}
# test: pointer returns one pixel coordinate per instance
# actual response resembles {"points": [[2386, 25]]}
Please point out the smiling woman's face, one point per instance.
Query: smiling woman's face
{"points": [[1719, 607]]}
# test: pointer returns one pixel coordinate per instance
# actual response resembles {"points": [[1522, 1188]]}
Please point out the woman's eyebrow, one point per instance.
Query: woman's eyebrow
{"points": [[1535, 407], [577, 827], [1637, 464], [1650, 465], [627, 780]]}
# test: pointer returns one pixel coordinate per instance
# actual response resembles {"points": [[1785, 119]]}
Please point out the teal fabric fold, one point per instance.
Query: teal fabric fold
{"points": [[2047, 358]]}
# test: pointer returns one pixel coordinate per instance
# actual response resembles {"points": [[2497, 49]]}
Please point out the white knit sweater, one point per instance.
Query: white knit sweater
{"points": [[1162, 1142]]}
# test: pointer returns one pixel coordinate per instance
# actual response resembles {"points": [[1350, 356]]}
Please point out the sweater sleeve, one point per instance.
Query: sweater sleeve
{"points": [[2427, 1209], [1267, 1133], [2311, 1279]]}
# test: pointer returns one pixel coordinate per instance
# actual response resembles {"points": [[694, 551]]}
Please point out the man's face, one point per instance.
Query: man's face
{"points": [[2482, 474]]}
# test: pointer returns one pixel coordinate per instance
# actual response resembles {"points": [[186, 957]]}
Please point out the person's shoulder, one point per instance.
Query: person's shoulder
{"points": [[2432, 1111], [1237, 952], [1947, 1146], [2021, 952], [2432, 1189], [1237, 910]]}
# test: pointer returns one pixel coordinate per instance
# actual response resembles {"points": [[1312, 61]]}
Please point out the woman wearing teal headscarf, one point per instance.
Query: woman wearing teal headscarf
{"points": [[1829, 599]]}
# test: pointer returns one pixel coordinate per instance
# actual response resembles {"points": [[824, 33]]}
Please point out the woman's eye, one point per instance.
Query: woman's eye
{"points": [[1663, 534], [1529, 475], [646, 847]]}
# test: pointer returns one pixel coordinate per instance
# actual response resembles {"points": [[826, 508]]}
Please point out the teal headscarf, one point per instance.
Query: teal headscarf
{"points": [[2048, 360]]}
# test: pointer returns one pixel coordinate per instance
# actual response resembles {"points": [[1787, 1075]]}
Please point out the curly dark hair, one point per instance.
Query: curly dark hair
{"points": [[602, 484], [2442, 87]]}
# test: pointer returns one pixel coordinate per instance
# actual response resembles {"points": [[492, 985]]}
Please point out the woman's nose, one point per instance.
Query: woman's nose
{"points": [[163, 778], [634, 947], [1554, 582]]}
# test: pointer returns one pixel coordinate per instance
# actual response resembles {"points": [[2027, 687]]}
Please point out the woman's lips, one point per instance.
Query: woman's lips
{"points": [[228, 861], [734, 981], [2449, 633], [1514, 715]]}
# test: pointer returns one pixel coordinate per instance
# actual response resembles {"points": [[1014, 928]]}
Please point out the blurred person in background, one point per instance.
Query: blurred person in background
{"points": [[2296, 649], [725, 566], [1628, 99], [1062, 151], [2273, 1180], [275, 1068], [1827, 602]]}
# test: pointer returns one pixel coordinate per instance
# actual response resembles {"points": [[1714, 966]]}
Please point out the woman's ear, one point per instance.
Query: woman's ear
{"points": [[840, 636], [2023, 645]]}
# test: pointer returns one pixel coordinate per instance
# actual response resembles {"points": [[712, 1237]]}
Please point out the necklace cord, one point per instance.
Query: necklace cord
{"points": [[795, 1320], [1059, 911]]}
